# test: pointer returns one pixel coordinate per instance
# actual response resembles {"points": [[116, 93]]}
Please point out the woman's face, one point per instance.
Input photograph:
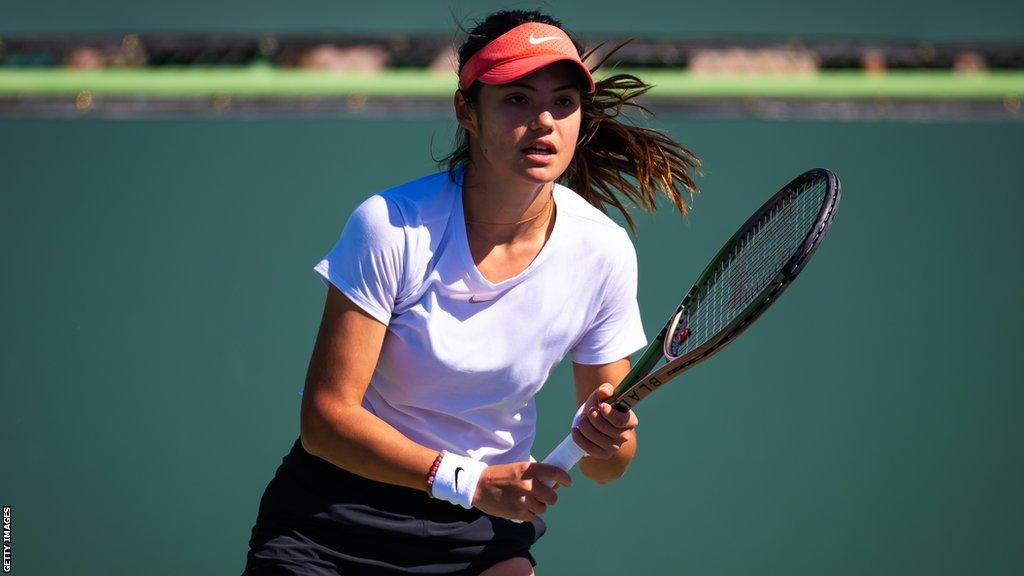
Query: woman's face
{"points": [[526, 129]]}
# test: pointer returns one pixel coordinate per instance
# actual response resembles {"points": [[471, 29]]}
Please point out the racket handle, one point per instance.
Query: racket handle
{"points": [[565, 455]]}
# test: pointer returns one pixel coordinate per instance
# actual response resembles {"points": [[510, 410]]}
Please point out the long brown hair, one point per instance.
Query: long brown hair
{"points": [[614, 160]]}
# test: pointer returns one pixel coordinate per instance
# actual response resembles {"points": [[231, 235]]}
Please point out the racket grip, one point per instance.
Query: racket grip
{"points": [[565, 455]]}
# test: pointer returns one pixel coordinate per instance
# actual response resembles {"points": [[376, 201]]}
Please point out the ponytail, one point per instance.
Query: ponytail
{"points": [[615, 160]]}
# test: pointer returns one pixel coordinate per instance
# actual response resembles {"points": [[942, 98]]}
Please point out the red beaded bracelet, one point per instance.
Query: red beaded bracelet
{"points": [[433, 473]]}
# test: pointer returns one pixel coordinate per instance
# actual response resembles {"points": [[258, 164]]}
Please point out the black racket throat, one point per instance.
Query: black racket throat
{"points": [[758, 263]]}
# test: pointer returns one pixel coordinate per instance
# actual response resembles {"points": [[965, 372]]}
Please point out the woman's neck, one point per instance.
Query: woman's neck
{"points": [[505, 210]]}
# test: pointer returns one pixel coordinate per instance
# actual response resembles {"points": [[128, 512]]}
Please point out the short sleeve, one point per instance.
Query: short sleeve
{"points": [[367, 260], [616, 331]]}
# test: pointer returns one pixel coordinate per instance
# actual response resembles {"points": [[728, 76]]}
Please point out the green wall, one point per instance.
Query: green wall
{"points": [[927, 19], [159, 308]]}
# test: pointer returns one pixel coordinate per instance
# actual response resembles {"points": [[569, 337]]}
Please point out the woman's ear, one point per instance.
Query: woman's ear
{"points": [[464, 113]]}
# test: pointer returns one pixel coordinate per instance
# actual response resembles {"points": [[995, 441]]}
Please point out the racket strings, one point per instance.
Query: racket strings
{"points": [[750, 267]]}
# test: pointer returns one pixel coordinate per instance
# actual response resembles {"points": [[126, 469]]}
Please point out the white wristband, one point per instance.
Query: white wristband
{"points": [[456, 479]]}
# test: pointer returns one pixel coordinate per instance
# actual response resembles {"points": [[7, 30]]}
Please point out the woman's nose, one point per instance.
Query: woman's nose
{"points": [[544, 120]]}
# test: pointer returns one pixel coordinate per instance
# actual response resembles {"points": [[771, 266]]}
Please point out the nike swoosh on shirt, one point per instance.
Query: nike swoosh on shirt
{"points": [[542, 39], [472, 300]]}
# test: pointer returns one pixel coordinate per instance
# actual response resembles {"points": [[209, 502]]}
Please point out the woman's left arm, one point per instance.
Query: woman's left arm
{"points": [[608, 436]]}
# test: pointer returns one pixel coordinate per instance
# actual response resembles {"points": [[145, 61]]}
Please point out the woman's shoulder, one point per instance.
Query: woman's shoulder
{"points": [[414, 203], [585, 217]]}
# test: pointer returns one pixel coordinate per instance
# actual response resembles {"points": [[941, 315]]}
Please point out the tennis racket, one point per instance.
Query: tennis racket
{"points": [[746, 276]]}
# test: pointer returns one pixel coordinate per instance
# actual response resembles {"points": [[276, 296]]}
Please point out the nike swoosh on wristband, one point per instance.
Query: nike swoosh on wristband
{"points": [[457, 470], [542, 39]]}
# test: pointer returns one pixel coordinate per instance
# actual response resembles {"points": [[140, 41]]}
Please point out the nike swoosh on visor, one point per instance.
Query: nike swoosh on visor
{"points": [[542, 39]]}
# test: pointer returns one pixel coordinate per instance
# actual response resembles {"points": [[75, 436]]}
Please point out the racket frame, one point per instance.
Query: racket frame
{"points": [[642, 380]]}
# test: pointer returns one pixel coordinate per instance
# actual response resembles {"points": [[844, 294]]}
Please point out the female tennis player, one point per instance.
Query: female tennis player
{"points": [[449, 301]]}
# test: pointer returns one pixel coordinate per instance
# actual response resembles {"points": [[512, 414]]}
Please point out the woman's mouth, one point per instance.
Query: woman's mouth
{"points": [[539, 151]]}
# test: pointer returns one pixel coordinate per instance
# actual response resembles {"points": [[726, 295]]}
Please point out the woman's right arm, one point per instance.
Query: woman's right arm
{"points": [[335, 427]]}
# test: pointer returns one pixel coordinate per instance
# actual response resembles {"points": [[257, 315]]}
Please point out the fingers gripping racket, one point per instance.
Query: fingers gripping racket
{"points": [[746, 276]]}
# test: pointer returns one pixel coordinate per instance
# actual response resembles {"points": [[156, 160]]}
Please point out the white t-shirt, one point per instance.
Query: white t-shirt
{"points": [[463, 357]]}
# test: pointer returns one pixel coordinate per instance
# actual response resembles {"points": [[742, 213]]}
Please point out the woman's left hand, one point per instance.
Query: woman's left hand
{"points": [[602, 430]]}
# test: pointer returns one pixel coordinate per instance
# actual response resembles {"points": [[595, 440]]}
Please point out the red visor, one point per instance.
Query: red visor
{"points": [[520, 52]]}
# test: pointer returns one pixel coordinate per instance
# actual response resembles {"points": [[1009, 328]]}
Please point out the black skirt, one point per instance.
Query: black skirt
{"points": [[318, 519]]}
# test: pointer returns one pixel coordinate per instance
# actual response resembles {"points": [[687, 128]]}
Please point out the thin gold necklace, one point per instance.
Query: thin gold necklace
{"points": [[523, 221]]}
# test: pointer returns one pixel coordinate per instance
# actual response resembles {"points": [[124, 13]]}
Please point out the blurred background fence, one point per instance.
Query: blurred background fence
{"points": [[812, 60]]}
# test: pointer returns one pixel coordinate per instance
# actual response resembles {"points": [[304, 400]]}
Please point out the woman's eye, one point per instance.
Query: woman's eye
{"points": [[566, 102], [517, 99]]}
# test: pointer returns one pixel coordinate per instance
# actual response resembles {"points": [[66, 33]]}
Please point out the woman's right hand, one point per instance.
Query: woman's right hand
{"points": [[518, 491]]}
